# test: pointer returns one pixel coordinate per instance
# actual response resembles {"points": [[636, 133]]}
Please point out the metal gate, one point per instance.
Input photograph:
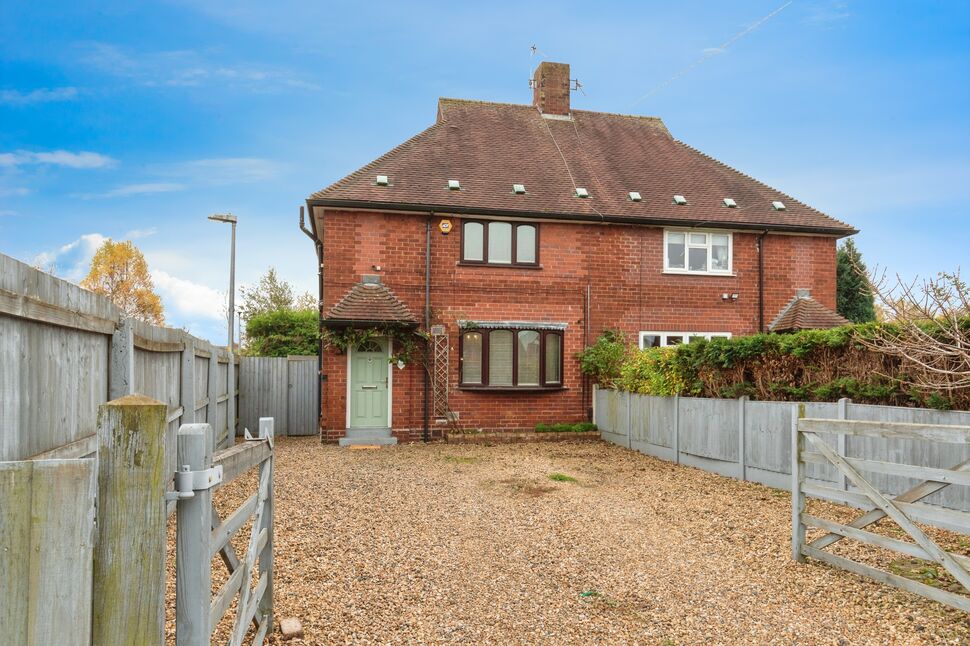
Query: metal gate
{"points": [[284, 388]]}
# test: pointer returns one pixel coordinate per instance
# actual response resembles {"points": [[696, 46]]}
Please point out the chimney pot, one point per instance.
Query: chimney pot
{"points": [[550, 88]]}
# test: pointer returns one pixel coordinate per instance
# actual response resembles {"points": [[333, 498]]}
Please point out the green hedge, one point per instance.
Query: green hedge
{"points": [[813, 365], [283, 333], [579, 427]]}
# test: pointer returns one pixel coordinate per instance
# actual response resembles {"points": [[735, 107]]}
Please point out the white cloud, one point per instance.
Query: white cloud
{"points": [[224, 170], [189, 68], [134, 234], [828, 14], [188, 298], [40, 95], [128, 190], [74, 256], [82, 159], [13, 191]]}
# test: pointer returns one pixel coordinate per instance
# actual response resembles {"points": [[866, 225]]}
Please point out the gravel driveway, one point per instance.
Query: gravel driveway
{"points": [[477, 544]]}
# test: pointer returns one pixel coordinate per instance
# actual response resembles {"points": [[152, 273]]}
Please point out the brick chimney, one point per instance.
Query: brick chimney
{"points": [[550, 88]]}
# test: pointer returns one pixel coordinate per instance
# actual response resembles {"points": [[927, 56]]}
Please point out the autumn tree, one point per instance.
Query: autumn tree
{"points": [[853, 296], [119, 272]]}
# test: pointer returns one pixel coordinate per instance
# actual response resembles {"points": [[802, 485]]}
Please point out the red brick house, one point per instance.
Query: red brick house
{"points": [[516, 234]]}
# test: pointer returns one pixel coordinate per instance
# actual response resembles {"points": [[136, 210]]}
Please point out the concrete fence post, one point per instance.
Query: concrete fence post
{"points": [[842, 439], [677, 428], [797, 482], [129, 558], [629, 420], [121, 368], [742, 467]]}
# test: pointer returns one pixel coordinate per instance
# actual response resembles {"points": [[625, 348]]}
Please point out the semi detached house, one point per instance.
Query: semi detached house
{"points": [[511, 236]]}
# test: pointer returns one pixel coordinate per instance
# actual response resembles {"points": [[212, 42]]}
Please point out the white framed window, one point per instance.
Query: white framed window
{"points": [[667, 339], [692, 251]]}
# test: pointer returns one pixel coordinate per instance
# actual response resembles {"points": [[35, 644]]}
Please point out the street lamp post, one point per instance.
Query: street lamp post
{"points": [[231, 370]]}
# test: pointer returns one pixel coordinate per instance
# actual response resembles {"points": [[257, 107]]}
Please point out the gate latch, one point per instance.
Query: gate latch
{"points": [[187, 482]]}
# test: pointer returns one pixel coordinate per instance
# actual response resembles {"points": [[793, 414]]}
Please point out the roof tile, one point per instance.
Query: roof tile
{"points": [[370, 302]]}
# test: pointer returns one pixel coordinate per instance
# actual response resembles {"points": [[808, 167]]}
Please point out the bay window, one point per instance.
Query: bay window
{"points": [[667, 339], [697, 252], [511, 358], [499, 243]]}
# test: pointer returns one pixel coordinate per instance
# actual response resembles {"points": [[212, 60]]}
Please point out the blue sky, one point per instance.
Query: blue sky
{"points": [[123, 119]]}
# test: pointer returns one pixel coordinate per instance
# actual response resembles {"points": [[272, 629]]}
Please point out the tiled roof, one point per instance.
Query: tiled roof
{"points": [[805, 313], [371, 303], [489, 147]]}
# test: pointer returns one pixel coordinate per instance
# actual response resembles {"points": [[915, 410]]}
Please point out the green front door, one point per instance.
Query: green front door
{"points": [[368, 385]]}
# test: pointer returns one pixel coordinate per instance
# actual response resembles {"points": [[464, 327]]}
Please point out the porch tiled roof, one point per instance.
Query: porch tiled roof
{"points": [[488, 147], [805, 313], [370, 303]]}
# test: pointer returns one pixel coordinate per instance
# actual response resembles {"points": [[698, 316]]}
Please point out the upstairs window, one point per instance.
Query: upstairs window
{"points": [[697, 252], [499, 243], [511, 358]]}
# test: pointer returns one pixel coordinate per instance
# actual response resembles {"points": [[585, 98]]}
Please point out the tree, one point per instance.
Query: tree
{"points": [[119, 271], [282, 333], [929, 329], [269, 294], [853, 294]]}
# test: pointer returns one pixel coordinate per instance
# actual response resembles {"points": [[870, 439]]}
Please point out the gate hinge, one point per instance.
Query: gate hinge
{"points": [[187, 482]]}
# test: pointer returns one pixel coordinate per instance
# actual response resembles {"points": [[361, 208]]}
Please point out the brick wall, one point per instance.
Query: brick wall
{"points": [[621, 265]]}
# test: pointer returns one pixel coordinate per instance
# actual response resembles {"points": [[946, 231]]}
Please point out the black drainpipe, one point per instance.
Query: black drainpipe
{"points": [[761, 281], [427, 323], [318, 246]]}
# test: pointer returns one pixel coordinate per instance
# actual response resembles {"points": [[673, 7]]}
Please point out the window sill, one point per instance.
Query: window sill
{"points": [[513, 389], [684, 272], [496, 265]]}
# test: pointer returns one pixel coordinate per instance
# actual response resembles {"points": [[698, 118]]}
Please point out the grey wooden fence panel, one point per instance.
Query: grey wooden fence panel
{"points": [[38, 360], [303, 408], [709, 428], [47, 534], [222, 387], [707, 432], [918, 452], [262, 392]]}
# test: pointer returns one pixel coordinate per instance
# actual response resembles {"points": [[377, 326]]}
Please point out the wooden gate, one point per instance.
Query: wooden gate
{"points": [[905, 509], [284, 388], [201, 534]]}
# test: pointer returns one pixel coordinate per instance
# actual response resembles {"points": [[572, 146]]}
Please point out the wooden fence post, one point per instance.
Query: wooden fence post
{"points": [[193, 567], [266, 555], [232, 390], [797, 482], [187, 394], [212, 392], [121, 367], [742, 401], [129, 559], [842, 439]]}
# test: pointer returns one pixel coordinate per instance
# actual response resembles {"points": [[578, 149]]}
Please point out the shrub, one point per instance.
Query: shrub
{"points": [[282, 333], [602, 360], [813, 365], [579, 427]]}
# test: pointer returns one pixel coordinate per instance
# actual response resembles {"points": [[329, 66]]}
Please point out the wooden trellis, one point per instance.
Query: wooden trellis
{"points": [[201, 534], [439, 372], [905, 509]]}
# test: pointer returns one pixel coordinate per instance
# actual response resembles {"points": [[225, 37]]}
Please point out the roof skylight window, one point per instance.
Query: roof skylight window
{"points": [[778, 206], [454, 185], [518, 189], [680, 200], [381, 180], [635, 196], [730, 203], [581, 192]]}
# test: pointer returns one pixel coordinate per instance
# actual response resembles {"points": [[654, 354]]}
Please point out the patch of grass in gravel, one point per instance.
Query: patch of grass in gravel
{"points": [[561, 477], [925, 572], [462, 459]]}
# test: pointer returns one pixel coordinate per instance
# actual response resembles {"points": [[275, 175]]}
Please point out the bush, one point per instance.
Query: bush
{"points": [[813, 365], [283, 333], [602, 361], [579, 427]]}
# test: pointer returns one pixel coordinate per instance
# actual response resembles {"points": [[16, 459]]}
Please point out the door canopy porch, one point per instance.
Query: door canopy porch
{"points": [[370, 304]]}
